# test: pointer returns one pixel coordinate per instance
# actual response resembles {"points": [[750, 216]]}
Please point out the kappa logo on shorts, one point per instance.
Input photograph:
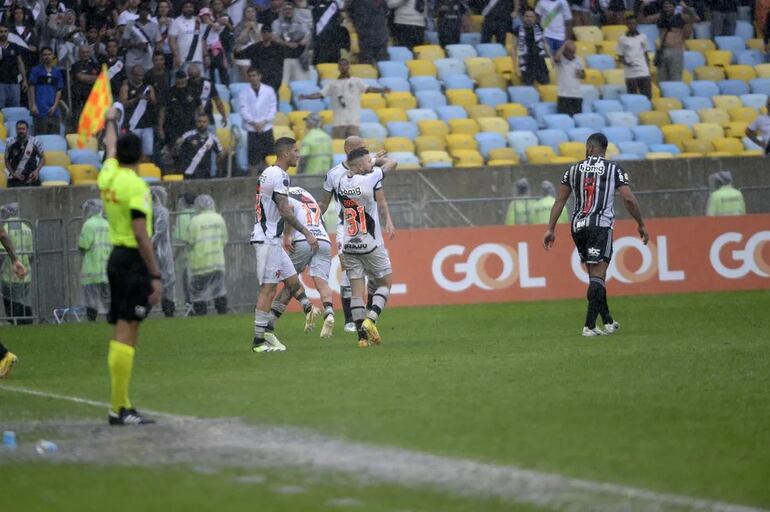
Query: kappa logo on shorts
{"points": [[140, 311], [593, 251]]}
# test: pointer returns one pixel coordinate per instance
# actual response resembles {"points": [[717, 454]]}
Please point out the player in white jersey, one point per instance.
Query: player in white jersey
{"points": [[273, 210], [329, 187], [363, 247]]}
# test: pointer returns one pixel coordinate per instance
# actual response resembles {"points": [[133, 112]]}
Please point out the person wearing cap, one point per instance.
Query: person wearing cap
{"points": [[186, 37], [315, 153], [725, 199], [293, 35], [195, 149], [519, 210], [95, 248], [178, 115], [140, 37], [540, 210], [23, 157], [161, 244], [208, 237], [215, 56], [15, 288]]}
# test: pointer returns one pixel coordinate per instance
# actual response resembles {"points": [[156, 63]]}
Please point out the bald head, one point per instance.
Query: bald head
{"points": [[570, 49], [352, 143]]}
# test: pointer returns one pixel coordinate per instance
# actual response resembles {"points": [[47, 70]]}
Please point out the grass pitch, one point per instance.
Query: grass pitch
{"points": [[677, 402]]}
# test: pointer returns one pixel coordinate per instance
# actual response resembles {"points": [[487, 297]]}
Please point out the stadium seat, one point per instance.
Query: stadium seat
{"points": [[750, 58], [559, 121], [488, 141], [363, 71], [702, 30], [406, 160], [479, 66], [421, 68], [424, 83], [449, 67], [635, 147], [688, 117], [395, 84], [617, 134], [757, 44], [714, 115], [626, 119], [728, 145], [574, 150], [726, 102], [700, 45], [736, 129], [580, 134], [338, 158], [742, 114], [373, 101], [435, 159], [373, 131], [635, 103], [612, 91], [733, 87], [604, 106], [762, 70], [585, 48], [755, 101], [733, 44], [590, 120], [525, 95], [448, 112], [552, 137], [708, 131], [461, 97], [667, 148], [149, 170], [548, 93], [506, 155], [85, 156], [542, 109], [650, 134], [84, 174], [504, 67], [369, 116], [461, 51], [429, 52], [492, 80], [593, 77], [420, 114], [521, 140], [744, 29], [650, 31], [760, 86], [666, 104], [492, 124], [589, 93], [704, 88], [395, 69], [658, 155], [525, 123], [492, 50], [477, 111], [600, 62], [471, 38], [540, 154], [56, 158], [326, 71], [72, 142], [674, 89], [54, 173], [52, 143], [468, 126], [698, 146], [693, 60], [490, 96], [697, 103], [467, 158], [402, 100], [719, 58], [713, 73], [400, 53], [387, 115], [506, 110], [588, 33], [458, 82], [402, 129], [430, 99], [399, 144], [676, 134], [430, 143], [613, 32]]}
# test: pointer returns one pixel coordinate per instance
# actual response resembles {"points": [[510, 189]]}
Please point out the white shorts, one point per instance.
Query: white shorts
{"points": [[375, 264], [273, 264], [344, 281], [320, 262]]}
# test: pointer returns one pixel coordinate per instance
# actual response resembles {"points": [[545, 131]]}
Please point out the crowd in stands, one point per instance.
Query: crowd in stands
{"points": [[209, 84]]}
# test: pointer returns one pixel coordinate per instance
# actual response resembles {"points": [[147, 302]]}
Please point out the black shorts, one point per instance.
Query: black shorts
{"points": [[130, 286], [593, 244], [260, 145]]}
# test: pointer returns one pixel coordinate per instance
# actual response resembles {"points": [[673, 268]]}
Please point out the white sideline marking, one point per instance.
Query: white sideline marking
{"points": [[465, 476]]}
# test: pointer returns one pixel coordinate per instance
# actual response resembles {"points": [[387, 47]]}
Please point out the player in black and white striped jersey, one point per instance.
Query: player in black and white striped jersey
{"points": [[594, 182]]}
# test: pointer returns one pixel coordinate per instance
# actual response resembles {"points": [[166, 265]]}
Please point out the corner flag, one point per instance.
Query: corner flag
{"points": [[95, 109]]}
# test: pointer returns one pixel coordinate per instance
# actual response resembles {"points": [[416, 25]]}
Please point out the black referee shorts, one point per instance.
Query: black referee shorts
{"points": [[593, 244], [130, 285]]}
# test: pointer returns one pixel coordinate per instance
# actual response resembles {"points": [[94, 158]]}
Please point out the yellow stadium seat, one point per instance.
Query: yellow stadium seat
{"points": [[614, 76], [327, 71], [394, 144], [493, 124], [762, 70], [728, 144], [173, 177], [433, 127], [736, 129], [60, 158], [363, 71], [338, 146], [574, 150], [752, 152], [547, 92], [461, 97], [658, 155], [712, 73], [477, 66], [504, 66], [283, 131], [477, 21], [565, 160], [491, 80], [708, 131], [585, 48], [429, 143], [613, 32], [72, 142], [373, 100], [699, 45], [327, 116], [540, 154], [460, 141], [726, 102], [468, 126], [225, 137], [687, 154], [676, 134], [467, 158], [480, 110], [655, 117], [149, 170], [375, 145], [588, 33], [402, 100], [655, 90], [503, 154], [499, 162], [718, 58], [226, 107], [428, 52], [421, 68], [607, 47], [740, 72], [665, 104], [714, 115], [698, 146], [744, 114], [297, 117], [719, 154], [387, 115], [594, 77], [431, 157], [506, 110], [81, 173], [55, 184], [612, 151], [299, 132], [284, 92], [281, 119], [686, 76]]}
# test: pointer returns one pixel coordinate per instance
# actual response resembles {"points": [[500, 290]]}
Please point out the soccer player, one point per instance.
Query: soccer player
{"points": [[329, 188], [273, 211], [363, 248], [8, 358], [135, 281], [594, 182]]}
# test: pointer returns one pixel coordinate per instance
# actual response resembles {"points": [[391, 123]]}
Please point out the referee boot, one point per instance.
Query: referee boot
{"points": [[129, 417]]}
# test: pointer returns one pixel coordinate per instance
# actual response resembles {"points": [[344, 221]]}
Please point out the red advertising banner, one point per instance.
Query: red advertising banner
{"points": [[508, 263]]}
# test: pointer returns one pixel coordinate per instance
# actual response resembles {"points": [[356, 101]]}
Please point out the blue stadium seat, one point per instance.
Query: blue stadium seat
{"points": [[488, 141], [589, 93], [590, 120], [396, 69], [458, 82], [13, 114], [651, 32], [491, 50], [223, 92], [625, 119], [552, 137], [600, 62], [424, 83], [395, 84], [760, 85], [338, 158], [636, 103], [404, 158], [521, 140], [730, 43], [524, 94], [448, 67], [371, 82], [541, 109], [461, 51], [744, 30], [674, 89], [471, 38], [618, 134], [373, 131], [523, 123], [749, 57], [283, 106], [491, 96], [235, 88], [430, 99], [368, 116], [693, 60], [756, 101], [665, 148], [54, 173], [431, 37], [604, 106], [298, 87], [448, 112], [421, 114], [400, 53], [704, 88], [733, 87], [85, 156], [612, 91], [311, 105], [636, 147], [627, 156], [688, 117], [697, 102], [580, 134], [702, 30], [559, 121], [53, 142], [649, 134], [402, 129]]}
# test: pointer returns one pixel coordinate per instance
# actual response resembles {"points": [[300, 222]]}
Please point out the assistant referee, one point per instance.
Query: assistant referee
{"points": [[132, 270]]}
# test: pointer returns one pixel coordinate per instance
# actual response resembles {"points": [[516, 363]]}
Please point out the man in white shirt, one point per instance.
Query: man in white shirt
{"points": [[345, 95], [556, 20], [140, 37], [569, 72], [186, 39], [257, 106], [632, 53], [758, 131]]}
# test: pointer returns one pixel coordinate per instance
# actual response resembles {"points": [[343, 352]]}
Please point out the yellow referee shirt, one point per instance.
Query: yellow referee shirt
{"points": [[122, 191]]}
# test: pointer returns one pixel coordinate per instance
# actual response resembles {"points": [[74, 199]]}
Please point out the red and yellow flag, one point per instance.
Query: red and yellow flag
{"points": [[95, 109]]}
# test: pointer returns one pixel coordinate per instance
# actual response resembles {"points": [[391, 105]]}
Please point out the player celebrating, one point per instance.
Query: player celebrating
{"points": [[273, 210], [363, 249], [594, 181], [131, 270]]}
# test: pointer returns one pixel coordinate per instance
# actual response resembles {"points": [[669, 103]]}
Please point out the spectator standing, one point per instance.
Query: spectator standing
{"points": [[669, 58], [246, 34], [160, 79], [116, 66], [236, 10], [84, 73], [540, 210], [213, 31], [164, 25], [556, 21], [370, 18], [95, 248], [65, 36], [140, 37], [258, 106], [207, 94], [266, 56], [632, 53], [724, 14], [45, 87], [409, 22], [569, 72], [329, 35], [15, 289], [581, 12], [11, 66], [185, 38], [292, 34], [315, 154], [453, 17], [725, 199], [25, 34], [208, 237], [164, 253], [519, 208], [497, 21], [613, 11], [345, 96], [179, 113], [23, 158], [129, 14], [139, 104], [758, 131], [530, 50], [268, 16], [195, 149]]}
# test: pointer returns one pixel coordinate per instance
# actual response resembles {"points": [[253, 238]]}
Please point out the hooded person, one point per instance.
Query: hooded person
{"points": [[16, 290], [519, 208], [161, 243], [724, 199], [180, 234], [540, 210], [95, 248], [206, 257]]}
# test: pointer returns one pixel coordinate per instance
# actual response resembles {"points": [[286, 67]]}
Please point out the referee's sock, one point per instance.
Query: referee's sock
{"points": [[594, 296], [120, 360], [604, 308]]}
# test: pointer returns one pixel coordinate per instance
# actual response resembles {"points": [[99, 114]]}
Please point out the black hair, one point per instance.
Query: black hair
{"points": [[283, 144], [129, 149], [599, 140], [252, 69], [22, 121], [357, 153], [44, 48]]}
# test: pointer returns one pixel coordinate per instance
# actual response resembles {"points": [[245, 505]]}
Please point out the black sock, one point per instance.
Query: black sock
{"points": [[3, 351], [346, 310], [258, 341], [594, 303], [361, 331], [369, 299], [604, 308]]}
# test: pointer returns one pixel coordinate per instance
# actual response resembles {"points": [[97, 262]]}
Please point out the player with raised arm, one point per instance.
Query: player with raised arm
{"points": [[273, 210], [594, 182], [363, 248]]}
